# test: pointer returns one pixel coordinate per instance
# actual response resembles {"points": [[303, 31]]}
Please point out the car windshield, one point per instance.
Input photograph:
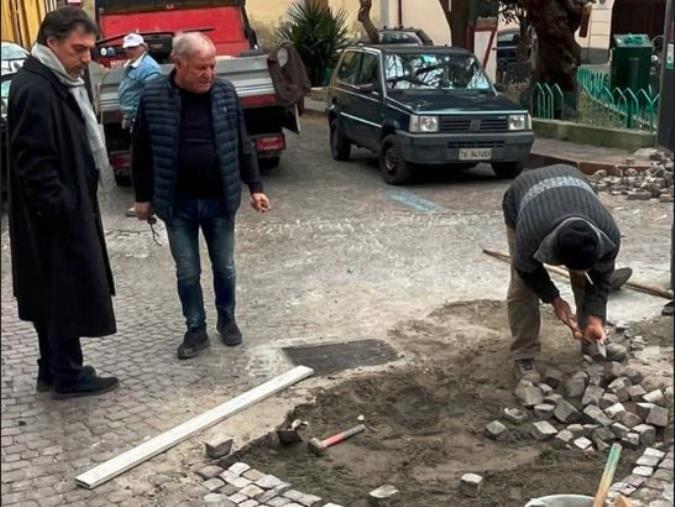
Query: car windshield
{"points": [[4, 88], [434, 71]]}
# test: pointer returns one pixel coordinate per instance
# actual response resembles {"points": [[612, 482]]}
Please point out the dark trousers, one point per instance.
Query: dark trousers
{"points": [[60, 358]]}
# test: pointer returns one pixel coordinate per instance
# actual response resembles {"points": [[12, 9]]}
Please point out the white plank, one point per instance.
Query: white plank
{"points": [[129, 459]]}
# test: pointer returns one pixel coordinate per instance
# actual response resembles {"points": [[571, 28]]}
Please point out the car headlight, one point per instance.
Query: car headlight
{"points": [[519, 122], [423, 123]]}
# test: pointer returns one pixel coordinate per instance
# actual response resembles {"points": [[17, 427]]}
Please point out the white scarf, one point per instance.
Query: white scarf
{"points": [[77, 88]]}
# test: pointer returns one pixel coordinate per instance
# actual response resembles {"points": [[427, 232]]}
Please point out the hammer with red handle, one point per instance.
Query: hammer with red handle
{"points": [[319, 447]]}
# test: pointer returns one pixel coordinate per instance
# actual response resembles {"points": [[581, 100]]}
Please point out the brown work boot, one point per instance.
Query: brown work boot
{"points": [[526, 369]]}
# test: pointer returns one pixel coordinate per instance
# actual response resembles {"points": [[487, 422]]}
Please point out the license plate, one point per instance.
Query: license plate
{"points": [[475, 153]]}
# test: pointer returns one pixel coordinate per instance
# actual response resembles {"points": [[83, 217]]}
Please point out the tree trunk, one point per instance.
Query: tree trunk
{"points": [[559, 55], [364, 19], [457, 18], [524, 44]]}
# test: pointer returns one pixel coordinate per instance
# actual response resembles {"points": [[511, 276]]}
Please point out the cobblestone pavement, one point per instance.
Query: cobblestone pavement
{"points": [[342, 256]]}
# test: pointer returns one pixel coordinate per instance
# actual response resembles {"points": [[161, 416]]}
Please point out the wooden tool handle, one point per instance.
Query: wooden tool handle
{"points": [[608, 475], [340, 437]]}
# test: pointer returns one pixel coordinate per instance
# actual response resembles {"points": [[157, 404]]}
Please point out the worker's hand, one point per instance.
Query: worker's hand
{"points": [[260, 202], [594, 331], [564, 312], [144, 211]]}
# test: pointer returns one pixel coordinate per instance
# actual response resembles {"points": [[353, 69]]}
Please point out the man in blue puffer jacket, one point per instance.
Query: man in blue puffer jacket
{"points": [[191, 152], [139, 70]]}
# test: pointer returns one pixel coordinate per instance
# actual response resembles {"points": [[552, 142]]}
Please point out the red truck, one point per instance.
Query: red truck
{"points": [[239, 60]]}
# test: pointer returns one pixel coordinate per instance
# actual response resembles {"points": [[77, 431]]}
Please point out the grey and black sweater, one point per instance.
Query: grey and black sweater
{"points": [[535, 204]]}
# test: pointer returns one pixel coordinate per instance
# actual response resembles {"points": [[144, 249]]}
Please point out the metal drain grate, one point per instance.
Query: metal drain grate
{"points": [[334, 357]]}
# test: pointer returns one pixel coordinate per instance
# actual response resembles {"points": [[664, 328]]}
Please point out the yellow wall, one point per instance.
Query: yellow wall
{"points": [[267, 15], [21, 20]]}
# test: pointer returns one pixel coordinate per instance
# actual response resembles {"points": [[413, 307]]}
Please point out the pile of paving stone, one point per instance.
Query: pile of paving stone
{"points": [[654, 182], [243, 486]]}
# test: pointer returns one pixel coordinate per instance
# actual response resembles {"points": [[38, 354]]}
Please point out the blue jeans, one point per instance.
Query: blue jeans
{"points": [[218, 229]]}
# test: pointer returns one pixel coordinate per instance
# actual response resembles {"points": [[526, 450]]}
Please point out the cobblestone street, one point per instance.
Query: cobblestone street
{"points": [[342, 256]]}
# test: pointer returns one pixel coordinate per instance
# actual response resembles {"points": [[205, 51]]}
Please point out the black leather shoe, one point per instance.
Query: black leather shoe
{"points": [[45, 381], [194, 341], [229, 332], [87, 385]]}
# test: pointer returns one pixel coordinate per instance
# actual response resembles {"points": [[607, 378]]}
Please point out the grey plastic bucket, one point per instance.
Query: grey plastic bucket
{"points": [[561, 501]]}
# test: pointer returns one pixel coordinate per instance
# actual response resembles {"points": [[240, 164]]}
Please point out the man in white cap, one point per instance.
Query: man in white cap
{"points": [[140, 69]]}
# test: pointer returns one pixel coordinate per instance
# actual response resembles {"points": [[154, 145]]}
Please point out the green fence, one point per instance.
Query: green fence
{"points": [[597, 103]]}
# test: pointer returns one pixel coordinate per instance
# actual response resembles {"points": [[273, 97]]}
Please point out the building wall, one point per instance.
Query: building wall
{"points": [[595, 46]]}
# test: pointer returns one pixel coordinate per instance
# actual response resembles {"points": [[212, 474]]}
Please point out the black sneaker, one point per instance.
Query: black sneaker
{"points": [[526, 369], [194, 341], [45, 381], [229, 332], [87, 385]]}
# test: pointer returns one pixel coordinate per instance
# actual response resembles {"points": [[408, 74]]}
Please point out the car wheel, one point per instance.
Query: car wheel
{"points": [[395, 169], [269, 163], [507, 170], [340, 147], [122, 180]]}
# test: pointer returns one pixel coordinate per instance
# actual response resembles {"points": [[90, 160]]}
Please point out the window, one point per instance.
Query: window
{"points": [[434, 71], [349, 68], [369, 73]]}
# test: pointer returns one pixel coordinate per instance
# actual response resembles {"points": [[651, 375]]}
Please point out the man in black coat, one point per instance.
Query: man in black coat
{"points": [[61, 274]]}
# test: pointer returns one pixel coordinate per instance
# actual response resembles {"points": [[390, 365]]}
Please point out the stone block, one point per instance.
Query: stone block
{"points": [[648, 461], [278, 501], [553, 399], [249, 503], [658, 416], [237, 482], [239, 468], [631, 441], [607, 400], [252, 491], [592, 395], [636, 392], [218, 447], [384, 496], [576, 429], [269, 482], [528, 394], [495, 430], [213, 484], [209, 471], [635, 480], [647, 433], [615, 411], [638, 195], [553, 377], [566, 413], [643, 471], [582, 443], [620, 430], [218, 500], [619, 387], [563, 439], [643, 409], [656, 397], [470, 485], [667, 464], [633, 375], [575, 387], [603, 433], [596, 380], [543, 430], [596, 416], [301, 498], [651, 451], [597, 350], [663, 475], [545, 389], [589, 429], [601, 445], [623, 488], [515, 415], [277, 491], [544, 411], [630, 419], [613, 370], [238, 498], [253, 475]]}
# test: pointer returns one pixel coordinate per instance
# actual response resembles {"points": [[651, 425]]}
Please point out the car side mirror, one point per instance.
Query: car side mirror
{"points": [[367, 88]]}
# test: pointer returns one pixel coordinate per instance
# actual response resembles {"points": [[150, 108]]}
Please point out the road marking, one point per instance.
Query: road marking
{"points": [[413, 201]]}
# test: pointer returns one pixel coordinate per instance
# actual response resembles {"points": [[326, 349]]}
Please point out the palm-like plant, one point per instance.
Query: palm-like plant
{"points": [[318, 35]]}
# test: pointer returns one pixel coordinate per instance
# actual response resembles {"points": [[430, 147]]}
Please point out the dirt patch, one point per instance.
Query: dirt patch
{"points": [[425, 422]]}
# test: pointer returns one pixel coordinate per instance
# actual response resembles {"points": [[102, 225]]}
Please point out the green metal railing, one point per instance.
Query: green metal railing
{"points": [[597, 103]]}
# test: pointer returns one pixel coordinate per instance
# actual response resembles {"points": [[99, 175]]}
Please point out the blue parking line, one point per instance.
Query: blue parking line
{"points": [[413, 201]]}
